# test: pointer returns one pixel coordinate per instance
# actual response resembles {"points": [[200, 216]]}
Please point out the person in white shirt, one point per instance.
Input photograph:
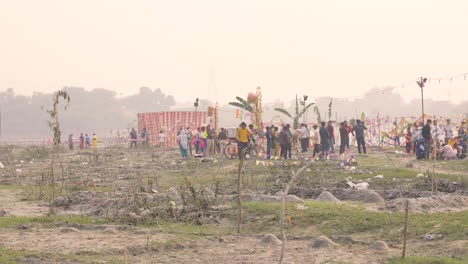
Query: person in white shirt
{"points": [[316, 140], [448, 131], [161, 139], [437, 134]]}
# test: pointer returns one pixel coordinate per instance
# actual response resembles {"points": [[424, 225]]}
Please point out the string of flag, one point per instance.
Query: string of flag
{"points": [[391, 88]]}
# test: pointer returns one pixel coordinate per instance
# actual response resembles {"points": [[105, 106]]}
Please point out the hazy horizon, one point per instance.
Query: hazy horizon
{"points": [[331, 48]]}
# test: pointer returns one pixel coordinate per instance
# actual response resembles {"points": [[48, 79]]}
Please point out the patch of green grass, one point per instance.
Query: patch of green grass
{"points": [[339, 220], [12, 256], [8, 222], [426, 260]]}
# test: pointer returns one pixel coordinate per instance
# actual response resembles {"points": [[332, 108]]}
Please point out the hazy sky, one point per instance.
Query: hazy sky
{"points": [[318, 48]]}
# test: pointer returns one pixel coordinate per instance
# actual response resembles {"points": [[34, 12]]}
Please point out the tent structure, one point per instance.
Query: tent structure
{"points": [[169, 123]]}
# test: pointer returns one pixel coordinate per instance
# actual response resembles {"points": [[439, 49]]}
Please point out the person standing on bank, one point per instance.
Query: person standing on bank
{"points": [[426, 134], [304, 138], [242, 137], [358, 132], [331, 136], [324, 140]]}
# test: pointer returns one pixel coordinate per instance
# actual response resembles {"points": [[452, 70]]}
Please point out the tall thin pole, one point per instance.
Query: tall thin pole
{"points": [[422, 99], [405, 230]]}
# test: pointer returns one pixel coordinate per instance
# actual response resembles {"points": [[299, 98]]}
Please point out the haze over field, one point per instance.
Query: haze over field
{"points": [[216, 50], [318, 48]]}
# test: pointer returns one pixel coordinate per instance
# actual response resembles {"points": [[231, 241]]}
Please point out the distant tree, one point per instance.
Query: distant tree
{"points": [[148, 100]]}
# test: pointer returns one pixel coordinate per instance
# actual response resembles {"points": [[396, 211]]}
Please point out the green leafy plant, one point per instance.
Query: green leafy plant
{"points": [[297, 113], [242, 104], [54, 125]]}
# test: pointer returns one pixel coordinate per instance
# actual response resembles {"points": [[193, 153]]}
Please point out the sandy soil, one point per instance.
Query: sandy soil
{"points": [[224, 249], [11, 202], [221, 249]]}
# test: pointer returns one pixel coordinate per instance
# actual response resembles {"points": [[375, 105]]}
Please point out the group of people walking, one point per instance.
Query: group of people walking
{"points": [[85, 141]]}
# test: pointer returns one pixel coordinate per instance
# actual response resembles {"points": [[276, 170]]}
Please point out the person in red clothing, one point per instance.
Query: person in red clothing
{"points": [[331, 136]]}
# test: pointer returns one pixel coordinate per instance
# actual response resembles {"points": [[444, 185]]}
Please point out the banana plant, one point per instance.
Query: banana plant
{"points": [[242, 104], [297, 114]]}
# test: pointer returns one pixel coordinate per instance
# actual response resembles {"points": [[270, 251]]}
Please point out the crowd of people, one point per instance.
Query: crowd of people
{"points": [[200, 142], [436, 141], [424, 141], [321, 139], [279, 142]]}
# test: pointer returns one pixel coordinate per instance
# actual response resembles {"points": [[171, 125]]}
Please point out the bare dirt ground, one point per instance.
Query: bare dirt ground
{"points": [[129, 244], [221, 249], [13, 204], [167, 183], [132, 247]]}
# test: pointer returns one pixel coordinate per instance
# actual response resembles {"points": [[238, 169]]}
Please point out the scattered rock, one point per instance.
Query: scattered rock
{"points": [[69, 230], [173, 195], [2, 213], [430, 237], [145, 213], [365, 196], [279, 193], [359, 186], [327, 197], [270, 239], [294, 199], [379, 246], [110, 230], [322, 242], [206, 159]]}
